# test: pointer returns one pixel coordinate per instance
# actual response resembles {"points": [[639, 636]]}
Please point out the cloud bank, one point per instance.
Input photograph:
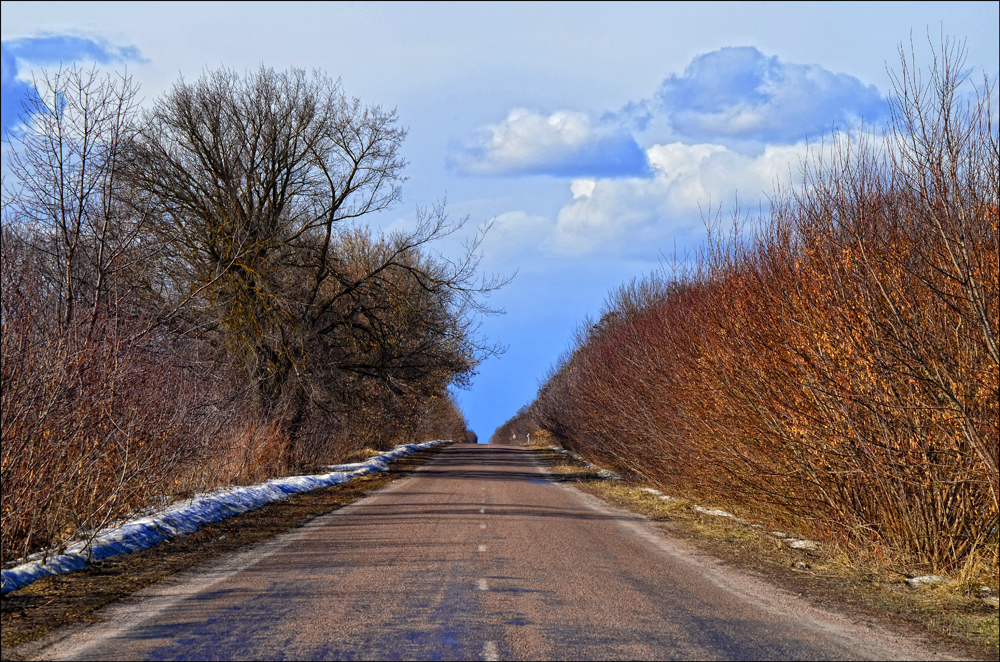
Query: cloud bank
{"points": [[735, 123]]}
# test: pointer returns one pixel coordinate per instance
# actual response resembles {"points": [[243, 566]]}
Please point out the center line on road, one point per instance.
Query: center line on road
{"points": [[482, 585], [490, 651]]}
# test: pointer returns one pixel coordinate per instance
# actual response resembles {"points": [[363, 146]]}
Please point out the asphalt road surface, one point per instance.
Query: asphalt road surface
{"points": [[476, 556]]}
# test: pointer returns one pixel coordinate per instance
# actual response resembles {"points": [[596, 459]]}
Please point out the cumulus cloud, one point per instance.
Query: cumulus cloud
{"points": [[625, 216], [745, 99], [563, 143], [737, 98], [18, 56], [687, 182], [727, 130]]}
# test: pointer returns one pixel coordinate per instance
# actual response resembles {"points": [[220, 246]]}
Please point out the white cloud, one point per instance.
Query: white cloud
{"points": [[733, 98], [744, 99], [563, 143], [688, 182], [602, 220], [22, 57], [726, 131], [627, 215], [582, 188]]}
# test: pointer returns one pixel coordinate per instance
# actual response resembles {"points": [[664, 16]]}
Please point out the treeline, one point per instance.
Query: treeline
{"points": [[191, 296], [517, 430], [832, 366]]}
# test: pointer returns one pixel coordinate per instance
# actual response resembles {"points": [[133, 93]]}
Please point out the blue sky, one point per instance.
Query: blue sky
{"points": [[594, 135]]}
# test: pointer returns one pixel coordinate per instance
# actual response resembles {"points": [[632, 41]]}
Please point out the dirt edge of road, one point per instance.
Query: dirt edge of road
{"points": [[35, 611], [934, 613]]}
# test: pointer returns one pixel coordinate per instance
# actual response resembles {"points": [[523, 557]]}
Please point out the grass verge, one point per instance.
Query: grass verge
{"points": [[950, 614], [38, 609]]}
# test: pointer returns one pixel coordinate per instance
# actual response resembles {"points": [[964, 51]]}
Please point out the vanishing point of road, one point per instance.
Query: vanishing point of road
{"points": [[477, 555]]}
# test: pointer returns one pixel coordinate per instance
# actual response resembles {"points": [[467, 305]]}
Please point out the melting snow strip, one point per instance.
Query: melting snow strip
{"points": [[712, 511], [188, 516], [606, 474], [925, 579], [794, 543]]}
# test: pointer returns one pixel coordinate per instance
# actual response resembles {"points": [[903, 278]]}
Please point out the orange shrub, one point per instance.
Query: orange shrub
{"points": [[836, 369]]}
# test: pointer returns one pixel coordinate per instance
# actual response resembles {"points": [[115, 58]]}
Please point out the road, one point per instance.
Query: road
{"points": [[476, 556]]}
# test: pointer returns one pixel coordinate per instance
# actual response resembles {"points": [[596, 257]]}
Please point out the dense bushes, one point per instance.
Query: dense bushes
{"points": [[190, 296], [834, 365]]}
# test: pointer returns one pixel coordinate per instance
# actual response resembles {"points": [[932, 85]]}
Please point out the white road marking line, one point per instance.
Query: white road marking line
{"points": [[490, 651], [482, 585], [482, 548]]}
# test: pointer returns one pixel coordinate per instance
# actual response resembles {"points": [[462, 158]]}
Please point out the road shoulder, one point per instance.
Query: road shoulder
{"points": [[933, 616], [55, 607]]}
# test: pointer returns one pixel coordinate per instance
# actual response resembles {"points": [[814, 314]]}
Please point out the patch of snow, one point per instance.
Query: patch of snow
{"points": [[607, 474], [925, 579], [794, 543], [603, 473], [346, 467], [188, 516], [709, 511]]}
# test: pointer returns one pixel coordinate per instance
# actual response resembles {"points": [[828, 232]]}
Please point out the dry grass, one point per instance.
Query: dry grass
{"points": [[950, 613], [34, 611]]}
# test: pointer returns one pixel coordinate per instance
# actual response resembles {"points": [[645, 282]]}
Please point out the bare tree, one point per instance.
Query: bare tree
{"points": [[69, 192], [261, 180], [191, 294], [83, 410]]}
